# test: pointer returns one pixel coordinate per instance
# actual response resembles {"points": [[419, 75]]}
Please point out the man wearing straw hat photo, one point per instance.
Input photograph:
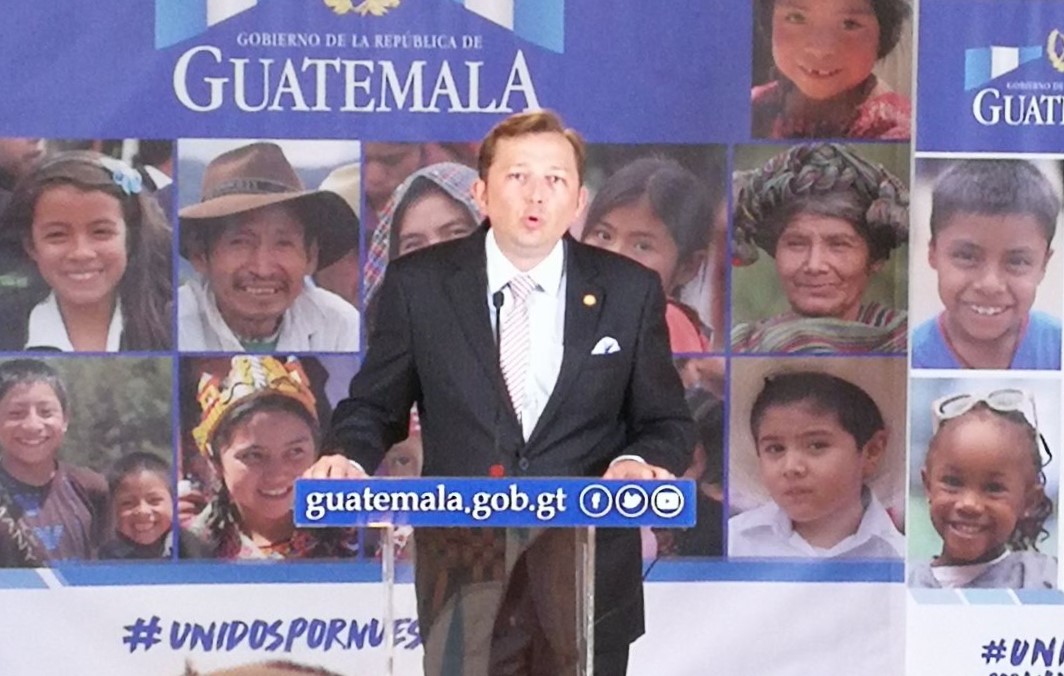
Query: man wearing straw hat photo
{"points": [[253, 238]]}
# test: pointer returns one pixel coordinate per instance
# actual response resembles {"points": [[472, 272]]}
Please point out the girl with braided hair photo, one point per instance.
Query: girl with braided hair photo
{"points": [[829, 219], [985, 483]]}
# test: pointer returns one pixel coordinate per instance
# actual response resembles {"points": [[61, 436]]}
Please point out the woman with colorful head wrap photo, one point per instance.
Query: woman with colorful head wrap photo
{"points": [[259, 429], [829, 219]]}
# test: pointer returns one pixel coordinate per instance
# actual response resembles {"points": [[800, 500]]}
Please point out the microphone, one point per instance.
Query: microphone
{"points": [[497, 299]]}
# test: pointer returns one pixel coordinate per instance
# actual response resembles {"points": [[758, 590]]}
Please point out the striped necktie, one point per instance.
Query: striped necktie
{"points": [[515, 339]]}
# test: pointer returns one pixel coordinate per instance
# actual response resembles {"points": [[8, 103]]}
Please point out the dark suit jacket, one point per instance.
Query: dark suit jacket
{"points": [[433, 345]]}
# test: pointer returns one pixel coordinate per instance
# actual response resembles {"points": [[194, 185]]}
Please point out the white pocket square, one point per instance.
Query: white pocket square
{"points": [[606, 345]]}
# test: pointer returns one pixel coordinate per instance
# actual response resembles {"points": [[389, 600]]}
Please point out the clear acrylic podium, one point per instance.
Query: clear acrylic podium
{"points": [[473, 586], [499, 564]]}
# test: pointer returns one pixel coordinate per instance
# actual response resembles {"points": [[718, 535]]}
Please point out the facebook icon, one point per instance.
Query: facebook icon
{"points": [[596, 501]]}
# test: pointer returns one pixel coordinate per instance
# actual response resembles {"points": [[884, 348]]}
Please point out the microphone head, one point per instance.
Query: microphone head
{"points": [[497, 299]]}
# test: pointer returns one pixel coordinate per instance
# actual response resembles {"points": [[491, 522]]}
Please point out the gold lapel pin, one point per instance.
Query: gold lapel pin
{"points": [[590, 300]]}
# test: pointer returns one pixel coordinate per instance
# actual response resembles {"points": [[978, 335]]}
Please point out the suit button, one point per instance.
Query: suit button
{"points": [[522, 464]]}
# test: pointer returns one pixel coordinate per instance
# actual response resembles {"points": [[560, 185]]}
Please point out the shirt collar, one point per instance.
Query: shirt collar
{"points": [[46, 327], [547, 274], [875, 522]]}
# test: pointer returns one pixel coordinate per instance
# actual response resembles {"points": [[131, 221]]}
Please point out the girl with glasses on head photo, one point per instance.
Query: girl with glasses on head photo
{"points": [[985, 488]]}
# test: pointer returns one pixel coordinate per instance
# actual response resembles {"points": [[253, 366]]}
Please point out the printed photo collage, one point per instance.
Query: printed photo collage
{"points": [[239, 278]]}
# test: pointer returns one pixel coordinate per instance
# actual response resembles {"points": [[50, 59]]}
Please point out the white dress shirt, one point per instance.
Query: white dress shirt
{"points": [[46, 327], [546, 319], [767, 531], [318, 321]]}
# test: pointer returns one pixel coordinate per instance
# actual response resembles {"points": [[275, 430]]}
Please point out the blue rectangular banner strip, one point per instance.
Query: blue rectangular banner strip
{"points": [[110, 574], [463, 502]]}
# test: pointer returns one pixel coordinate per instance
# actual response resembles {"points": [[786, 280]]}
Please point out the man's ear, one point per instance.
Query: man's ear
{"points": [[873, 452], [480, 195], [199, 260], [312, 258]]}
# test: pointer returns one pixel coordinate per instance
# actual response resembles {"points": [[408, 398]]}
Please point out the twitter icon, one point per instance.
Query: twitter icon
{"points": [[632, 501]]}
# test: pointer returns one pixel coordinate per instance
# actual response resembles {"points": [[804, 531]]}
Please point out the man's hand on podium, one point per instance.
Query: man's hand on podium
{"points": [[636, 470], [335, 466]]}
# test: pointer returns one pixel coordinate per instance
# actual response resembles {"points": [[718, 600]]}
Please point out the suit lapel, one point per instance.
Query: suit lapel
{"points": [[584, 299], [467, 289]]}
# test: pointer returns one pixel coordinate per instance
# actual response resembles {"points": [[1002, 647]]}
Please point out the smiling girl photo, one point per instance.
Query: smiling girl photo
{"points": [[982, 512], [822, 80], [101, 244]]}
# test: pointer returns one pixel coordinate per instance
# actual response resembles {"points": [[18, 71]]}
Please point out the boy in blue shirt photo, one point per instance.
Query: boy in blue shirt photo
{"points": [[992, 227]]}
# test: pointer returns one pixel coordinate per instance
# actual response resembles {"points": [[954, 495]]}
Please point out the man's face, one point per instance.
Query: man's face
{"points": [[812, 466], [32, 425], [532, 195], [989, 268], [256, 268], [18, 156], [384, 166]]}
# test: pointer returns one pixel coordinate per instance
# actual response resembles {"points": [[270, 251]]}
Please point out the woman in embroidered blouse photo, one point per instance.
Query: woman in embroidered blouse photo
{"points": [[829, 220], [102, 245], [259, 430]]}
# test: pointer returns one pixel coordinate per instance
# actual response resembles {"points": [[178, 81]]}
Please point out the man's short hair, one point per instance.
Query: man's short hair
{"points": [[856, 411], [523, 124], [994, 187], [15, 372]]}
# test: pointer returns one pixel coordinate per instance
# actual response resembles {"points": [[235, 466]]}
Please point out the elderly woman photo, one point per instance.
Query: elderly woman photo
{"points": [[829, 219]]}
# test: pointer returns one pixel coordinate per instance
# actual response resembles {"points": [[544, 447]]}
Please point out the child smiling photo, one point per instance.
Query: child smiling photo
{"points": [[991, 228], [58, 431], [984, 480], [822, 81]]}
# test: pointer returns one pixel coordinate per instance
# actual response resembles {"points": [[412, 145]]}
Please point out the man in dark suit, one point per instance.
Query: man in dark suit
{"points": [[597, 395]]}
